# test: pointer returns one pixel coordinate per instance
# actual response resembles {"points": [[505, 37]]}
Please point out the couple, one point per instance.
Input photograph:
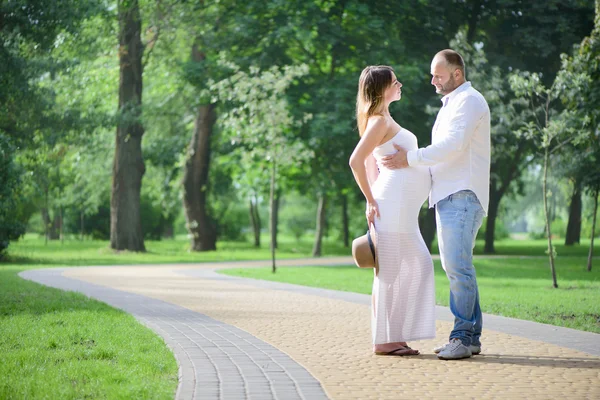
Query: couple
{"points": [[396, 177]]}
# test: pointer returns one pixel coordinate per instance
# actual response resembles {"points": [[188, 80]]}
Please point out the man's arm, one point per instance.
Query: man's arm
{"points": [[461, 127]]}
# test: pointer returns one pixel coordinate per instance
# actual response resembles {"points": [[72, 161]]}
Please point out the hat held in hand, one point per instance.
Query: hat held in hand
{"points": [[363, 249]]}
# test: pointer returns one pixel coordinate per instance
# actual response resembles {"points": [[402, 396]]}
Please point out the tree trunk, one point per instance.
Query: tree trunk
{"points": [[548, 224], [276, 217], [46, 217], [195, 181], [169, 231], [60, 226], [345, 222], [202, 231], [321, 209], [51, 224], [255, 218], [427, 226], [573, 233], [490, 227], [473, 19], [272, 216], [81, 225], [128, 166], [591, 252]]}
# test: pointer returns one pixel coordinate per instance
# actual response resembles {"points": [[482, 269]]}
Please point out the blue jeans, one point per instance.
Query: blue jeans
{"points": [[459, 217]]}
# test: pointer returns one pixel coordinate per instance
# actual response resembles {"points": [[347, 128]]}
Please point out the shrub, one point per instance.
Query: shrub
{"points": [[500, 230]]}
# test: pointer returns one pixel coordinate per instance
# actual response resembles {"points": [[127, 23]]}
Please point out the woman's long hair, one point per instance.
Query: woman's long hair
{"points": [[373, 82]]}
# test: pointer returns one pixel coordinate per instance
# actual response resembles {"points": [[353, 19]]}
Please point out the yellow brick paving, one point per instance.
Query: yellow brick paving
{"points": [[331, 339]]}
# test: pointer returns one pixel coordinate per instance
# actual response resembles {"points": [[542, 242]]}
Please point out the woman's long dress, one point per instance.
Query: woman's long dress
{"points": [[404, 289]]}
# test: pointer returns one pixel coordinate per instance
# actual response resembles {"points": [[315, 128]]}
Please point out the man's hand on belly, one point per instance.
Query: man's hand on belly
{"points": [[397, 160]]}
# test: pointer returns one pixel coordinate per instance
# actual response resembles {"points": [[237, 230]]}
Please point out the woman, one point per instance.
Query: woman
{"points": [[403, 286]]}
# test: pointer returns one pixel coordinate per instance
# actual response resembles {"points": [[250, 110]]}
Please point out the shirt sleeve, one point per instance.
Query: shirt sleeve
{"points": [[466, 116]]}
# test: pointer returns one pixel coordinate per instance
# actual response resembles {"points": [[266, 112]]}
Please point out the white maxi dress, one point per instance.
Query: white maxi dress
{"points": [[404, 289]]}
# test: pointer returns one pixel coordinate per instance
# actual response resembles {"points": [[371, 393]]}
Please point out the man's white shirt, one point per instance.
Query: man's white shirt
{"points": [[459, 154]]}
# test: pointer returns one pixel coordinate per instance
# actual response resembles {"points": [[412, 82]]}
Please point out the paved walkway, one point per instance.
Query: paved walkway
{"points": [[240, 338]]}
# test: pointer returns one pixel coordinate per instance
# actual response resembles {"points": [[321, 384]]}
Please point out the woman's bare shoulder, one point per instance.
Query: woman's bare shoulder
{"points": [[378, 122]]}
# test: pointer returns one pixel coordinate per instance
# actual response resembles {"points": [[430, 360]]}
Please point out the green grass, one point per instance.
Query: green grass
{"points": [[63, 345], [57, 344], [537, 247], [512, 287], [33, 251]]}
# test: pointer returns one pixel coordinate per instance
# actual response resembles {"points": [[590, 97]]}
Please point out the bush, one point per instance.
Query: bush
{"points": [[297, 215], [233, 221], [500, 230], [96, 225], [558, 228], [11, 227]]}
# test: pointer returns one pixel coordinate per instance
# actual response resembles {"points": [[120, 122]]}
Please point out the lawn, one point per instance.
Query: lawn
{"points": [[33, 251], [57, 344], [63, 345]]}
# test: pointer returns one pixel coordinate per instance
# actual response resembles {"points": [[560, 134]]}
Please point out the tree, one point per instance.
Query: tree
{"points": [[581, 85], [31, 31], [128, 167], [551, 130], [509, 152], [259, 120]]}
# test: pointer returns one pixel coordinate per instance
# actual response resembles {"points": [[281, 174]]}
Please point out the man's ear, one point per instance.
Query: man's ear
{"points": [[458, 74]]}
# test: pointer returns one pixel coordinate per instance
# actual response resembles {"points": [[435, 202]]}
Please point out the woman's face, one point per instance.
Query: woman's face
{"points": [[394, 91]]}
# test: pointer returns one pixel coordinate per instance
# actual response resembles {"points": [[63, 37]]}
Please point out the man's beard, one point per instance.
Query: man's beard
{"points": [[449, 86]]}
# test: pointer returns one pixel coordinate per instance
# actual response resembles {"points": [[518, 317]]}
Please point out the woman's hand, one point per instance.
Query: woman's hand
{"points": [[372, 211]]}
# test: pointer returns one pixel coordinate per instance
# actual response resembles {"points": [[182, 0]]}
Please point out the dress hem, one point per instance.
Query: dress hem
{"points": [[409, 339]]}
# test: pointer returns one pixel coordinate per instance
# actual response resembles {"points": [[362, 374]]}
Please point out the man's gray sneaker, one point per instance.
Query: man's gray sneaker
{"points": [[475, 349], [454, 350]]}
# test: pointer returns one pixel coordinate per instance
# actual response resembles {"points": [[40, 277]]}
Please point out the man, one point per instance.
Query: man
{"points": [[459, 160]]}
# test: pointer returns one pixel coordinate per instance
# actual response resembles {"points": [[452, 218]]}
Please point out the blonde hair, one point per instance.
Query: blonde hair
{"points": [[373, 82]]}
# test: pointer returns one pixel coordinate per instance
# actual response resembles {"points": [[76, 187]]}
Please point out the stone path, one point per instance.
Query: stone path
{"points": [[240, 338]]}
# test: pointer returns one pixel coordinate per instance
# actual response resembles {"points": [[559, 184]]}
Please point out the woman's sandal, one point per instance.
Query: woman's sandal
{"points": [[400, 351]]}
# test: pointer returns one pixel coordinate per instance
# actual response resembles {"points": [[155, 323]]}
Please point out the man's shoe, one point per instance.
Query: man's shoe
{"points": [[454, 350], [475, 349]]}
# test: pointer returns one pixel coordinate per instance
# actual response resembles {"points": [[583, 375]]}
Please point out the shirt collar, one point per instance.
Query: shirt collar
{"points": [[446, 99]]}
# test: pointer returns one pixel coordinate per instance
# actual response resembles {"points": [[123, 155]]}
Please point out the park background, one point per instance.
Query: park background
{"points": [[162, 131]]}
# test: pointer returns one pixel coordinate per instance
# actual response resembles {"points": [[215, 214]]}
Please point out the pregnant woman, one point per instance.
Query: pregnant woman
{"points": [[403, 307]]}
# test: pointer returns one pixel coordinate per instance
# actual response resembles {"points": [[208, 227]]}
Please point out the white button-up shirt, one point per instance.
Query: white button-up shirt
{"points": [[459, 154]]}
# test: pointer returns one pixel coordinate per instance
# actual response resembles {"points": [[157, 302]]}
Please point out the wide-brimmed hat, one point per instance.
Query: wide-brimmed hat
{"points": [[363, 249]]}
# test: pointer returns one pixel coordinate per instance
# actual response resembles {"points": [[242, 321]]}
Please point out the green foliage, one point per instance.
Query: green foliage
{"points": [[233, 220], [95, 226], [297, 215], [59, 72], [500, 233], [260, 126], [580, 82], [11, 227]]}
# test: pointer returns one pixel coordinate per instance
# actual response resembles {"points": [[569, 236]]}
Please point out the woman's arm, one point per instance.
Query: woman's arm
{"points": [[372, 170], [376, 129]]}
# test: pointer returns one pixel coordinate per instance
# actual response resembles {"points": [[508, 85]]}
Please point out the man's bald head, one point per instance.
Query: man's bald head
{"points": [[447, 71], [452, 59]]}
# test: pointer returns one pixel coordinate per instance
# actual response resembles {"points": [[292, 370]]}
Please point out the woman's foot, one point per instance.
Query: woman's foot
{"points": [[394, 349]]}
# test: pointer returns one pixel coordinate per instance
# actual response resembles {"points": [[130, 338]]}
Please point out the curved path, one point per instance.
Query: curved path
{"points": [[240, 338]]}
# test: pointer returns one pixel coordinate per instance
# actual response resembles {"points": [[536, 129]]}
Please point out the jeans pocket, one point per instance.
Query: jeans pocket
{"points": [[458, 202]]}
